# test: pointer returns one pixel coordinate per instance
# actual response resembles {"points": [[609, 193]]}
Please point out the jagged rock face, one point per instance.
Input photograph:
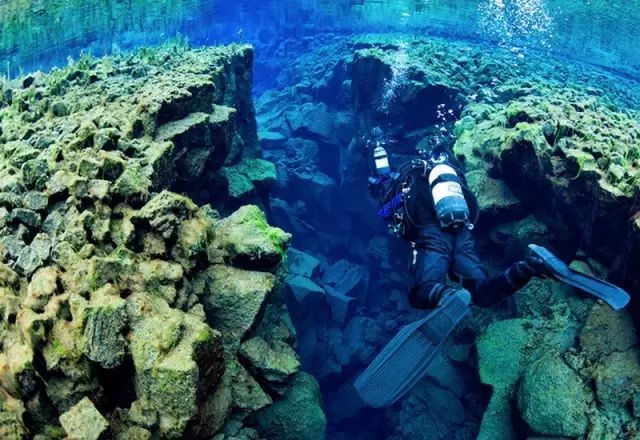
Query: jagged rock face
{"points": [[130, 311], [578, 154]]}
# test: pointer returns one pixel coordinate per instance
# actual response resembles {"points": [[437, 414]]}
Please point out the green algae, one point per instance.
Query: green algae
{"points": [[560, 123]]}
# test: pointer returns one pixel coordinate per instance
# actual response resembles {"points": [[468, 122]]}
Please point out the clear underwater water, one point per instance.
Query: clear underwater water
{"points": [[587, 34]]}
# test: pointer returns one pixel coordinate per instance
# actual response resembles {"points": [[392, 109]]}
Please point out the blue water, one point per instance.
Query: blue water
{"points": [[283, 33]]}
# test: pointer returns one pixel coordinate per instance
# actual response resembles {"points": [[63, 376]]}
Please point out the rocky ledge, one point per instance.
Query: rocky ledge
{"points": [[128, 309]]}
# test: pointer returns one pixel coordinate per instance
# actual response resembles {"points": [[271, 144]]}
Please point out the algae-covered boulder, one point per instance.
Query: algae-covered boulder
{"points": [[297, 415], [553, 399], [177, 357], [84, 421], [247, 394], [502, 358], [11, 413], [272, 363], [566, 146], [246, 240], [493, 195], [244, 178], [106, 318], [618, 379], [606, 331], [233, 297], [164, 213]]}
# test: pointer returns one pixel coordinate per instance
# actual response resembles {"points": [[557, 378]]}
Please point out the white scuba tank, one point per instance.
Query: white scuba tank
{"points": [[448, 198]]}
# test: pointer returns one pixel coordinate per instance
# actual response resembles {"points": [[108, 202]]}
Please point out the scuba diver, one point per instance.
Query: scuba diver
{"points": [[427, 202]]}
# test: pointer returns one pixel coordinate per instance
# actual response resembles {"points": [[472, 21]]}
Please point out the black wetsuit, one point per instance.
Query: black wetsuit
{"points": [[440, 252]]}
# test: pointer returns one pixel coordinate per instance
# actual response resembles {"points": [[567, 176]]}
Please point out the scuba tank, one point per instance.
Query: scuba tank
{"points": [[448, 198], [381, 160]]}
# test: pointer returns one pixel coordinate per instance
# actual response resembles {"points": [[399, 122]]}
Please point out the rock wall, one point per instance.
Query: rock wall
{"points": [[128, 310]]}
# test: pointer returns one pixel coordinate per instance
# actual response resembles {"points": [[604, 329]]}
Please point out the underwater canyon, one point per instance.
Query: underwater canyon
{"points": [[189, 248]]}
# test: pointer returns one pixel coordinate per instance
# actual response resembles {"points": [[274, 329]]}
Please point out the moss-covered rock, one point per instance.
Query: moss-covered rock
{"points": [[246, 392], [606, 331], [84, 421], [564, 145], [11, 422], [297, 416], [553, 399], [246, 239], [617, 379], [272, 363], [244, 178], [176, 357], [233, 298], [105, 319], [502, 358]]}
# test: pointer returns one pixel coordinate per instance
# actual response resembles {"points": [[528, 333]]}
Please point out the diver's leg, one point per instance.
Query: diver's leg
{"points": [[485, 290], [430, 267]]}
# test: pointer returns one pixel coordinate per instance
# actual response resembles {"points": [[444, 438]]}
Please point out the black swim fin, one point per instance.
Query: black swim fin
{"points": [[609, 293], [406, 359]]}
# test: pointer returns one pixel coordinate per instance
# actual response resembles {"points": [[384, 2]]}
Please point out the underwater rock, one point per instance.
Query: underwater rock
{"points": [[545, 145], [314, 122], [494, 197], [617, 376], [514, 237], [177, 357], [297, 415], [11, 412], [272, 364], [302, 263], [106, 318], [246, 177], [346, 278], [233, 298], [444, 417], [501, 359], [552, 398], [605, 332], [247, 394], [246, 240], [84, 421], [306, 295], [392, 88], [316, 189], [342, 306]]}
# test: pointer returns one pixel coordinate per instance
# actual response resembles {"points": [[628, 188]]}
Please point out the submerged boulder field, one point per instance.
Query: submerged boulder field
{"points": [[131, 306], [551, 151]]}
